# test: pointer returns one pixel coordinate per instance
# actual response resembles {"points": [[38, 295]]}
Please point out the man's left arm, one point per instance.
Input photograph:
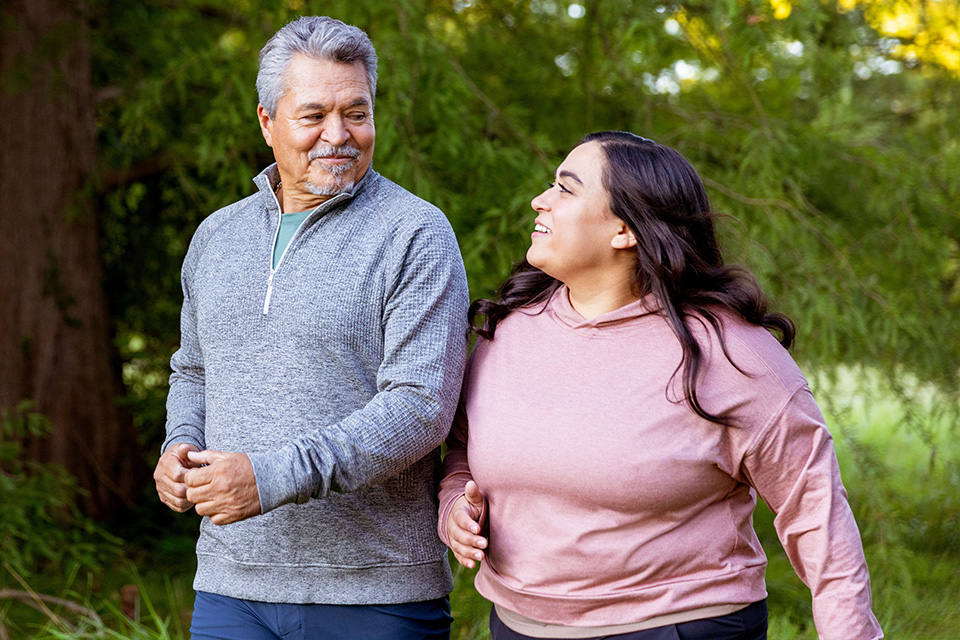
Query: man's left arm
{"points": [[424, 326]]}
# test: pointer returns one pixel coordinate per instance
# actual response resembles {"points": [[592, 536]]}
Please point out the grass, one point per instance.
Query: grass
{"points": [[900, 460]]}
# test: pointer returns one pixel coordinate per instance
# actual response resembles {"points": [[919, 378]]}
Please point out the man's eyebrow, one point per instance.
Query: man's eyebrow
{"points": [[571, 175], [319, 106], [312, 106]]}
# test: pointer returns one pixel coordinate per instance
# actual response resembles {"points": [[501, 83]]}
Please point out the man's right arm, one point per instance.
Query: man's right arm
{"points": [[186, 401], [186, 404]]}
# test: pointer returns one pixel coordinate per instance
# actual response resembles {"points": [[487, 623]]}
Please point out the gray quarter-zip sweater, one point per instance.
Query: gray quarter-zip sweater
{"points": [[338, 373]]}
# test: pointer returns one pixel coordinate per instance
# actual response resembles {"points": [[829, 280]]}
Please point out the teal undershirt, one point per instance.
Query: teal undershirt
{"points": [[289, 223]]}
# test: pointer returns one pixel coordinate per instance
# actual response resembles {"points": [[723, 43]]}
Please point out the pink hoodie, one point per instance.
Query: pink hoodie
{"points": [[609, 504]]}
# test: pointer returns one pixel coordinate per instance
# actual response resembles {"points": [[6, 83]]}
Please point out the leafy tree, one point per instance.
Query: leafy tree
{"points": [[828, 132], [55, 330], [836, 157]]}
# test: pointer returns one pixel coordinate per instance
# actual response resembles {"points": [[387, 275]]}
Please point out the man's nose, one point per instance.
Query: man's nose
{"points": [[335, 132]]}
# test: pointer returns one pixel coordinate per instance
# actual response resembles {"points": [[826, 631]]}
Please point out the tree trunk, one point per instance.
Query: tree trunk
{"points": [[55, 330]]}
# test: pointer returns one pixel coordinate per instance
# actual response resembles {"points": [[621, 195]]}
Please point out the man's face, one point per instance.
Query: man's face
{"points": [[322, 135]]}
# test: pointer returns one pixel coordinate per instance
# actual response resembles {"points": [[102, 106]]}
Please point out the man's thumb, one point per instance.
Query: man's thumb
{"points": [[199, 457]]}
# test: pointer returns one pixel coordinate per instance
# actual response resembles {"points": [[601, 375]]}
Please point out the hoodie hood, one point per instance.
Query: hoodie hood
{"points": [[610, 323]]}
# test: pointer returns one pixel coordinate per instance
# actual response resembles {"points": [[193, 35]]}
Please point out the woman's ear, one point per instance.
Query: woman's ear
{"points": [[624, 238]]}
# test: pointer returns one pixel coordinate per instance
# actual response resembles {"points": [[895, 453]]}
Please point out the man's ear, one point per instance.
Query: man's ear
{"points": [[266, 124], [624, 238]]}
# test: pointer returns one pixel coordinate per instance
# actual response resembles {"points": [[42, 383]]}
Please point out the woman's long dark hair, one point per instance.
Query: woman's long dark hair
{"points": [[660, 196]]}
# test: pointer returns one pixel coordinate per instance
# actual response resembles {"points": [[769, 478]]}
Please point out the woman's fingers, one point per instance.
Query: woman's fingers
{"points": [[466, 554], [462, 530]]}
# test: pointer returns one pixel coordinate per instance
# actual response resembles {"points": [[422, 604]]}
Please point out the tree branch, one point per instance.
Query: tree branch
{"points": [[812, 228], [151, 166]]}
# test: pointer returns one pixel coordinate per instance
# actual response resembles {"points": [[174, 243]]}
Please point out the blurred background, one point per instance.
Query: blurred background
{"points": [[828, 132]]}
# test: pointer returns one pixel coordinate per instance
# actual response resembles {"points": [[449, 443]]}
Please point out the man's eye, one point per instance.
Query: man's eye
{"points": [[357, 117]]}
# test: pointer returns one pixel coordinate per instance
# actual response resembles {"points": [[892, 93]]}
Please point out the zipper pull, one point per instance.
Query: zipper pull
{"points": [[266, 302]]}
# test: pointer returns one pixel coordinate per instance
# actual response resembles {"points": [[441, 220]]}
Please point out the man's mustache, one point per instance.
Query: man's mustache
{"points": [[329, 151]]}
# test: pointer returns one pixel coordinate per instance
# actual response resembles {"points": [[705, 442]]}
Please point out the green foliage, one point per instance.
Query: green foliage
{"points": [[834, 158], [470, 611], [41, 529]]}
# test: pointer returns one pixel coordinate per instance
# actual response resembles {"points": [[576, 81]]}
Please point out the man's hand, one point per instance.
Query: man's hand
{"points": [[224, 488], [171, 468], [463, 527]]}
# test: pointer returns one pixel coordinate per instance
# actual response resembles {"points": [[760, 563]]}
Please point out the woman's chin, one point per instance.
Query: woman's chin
{"points": [[534, 257]]}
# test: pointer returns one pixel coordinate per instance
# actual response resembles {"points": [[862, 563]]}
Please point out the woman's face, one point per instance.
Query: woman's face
{"points": [[575, 230]]}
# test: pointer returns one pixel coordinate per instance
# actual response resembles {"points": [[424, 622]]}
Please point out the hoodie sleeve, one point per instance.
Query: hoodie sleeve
{"points": [[793, 466], [456, 471]]}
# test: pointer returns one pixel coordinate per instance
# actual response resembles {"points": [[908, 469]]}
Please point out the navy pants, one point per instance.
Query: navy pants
{"points": [[223, 618], [749, 623]]}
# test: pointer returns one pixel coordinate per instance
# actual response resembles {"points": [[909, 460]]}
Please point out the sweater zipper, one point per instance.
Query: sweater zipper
{"points": [[273, 270], [266, 301], [276, 233]]}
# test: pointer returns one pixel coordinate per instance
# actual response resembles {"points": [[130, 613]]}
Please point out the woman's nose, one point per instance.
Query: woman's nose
{"points": [[539, 203]]}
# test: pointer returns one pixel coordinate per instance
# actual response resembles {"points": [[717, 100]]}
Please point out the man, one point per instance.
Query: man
{"points": [[322, 348]]}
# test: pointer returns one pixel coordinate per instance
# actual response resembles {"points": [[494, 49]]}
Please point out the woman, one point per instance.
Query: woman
{"points": [[625, 404]]}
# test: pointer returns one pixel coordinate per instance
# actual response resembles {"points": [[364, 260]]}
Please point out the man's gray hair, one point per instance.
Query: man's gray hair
{"points": [[317, 37]]}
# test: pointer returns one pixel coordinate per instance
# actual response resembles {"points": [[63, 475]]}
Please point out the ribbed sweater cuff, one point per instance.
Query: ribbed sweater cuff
{"points": [[275, 483]]}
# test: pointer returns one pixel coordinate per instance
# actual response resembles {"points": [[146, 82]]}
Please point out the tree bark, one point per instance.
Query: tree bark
{"points": [[55, 330]]}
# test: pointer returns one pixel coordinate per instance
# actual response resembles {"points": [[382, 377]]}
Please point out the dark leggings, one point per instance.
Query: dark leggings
{"points": [[750, 623]]}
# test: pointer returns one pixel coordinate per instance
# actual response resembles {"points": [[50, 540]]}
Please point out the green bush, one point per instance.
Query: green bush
{"points": [[41, 529]]}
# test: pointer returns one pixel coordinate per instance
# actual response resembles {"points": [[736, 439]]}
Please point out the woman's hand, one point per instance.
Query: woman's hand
{"points": [[463, 527]]}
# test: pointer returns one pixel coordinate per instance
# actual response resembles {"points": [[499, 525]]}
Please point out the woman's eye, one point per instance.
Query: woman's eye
{"points": [[563, 189]]}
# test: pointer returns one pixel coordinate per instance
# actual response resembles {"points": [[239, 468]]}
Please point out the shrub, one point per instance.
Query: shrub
{"points": [[41, 528]]}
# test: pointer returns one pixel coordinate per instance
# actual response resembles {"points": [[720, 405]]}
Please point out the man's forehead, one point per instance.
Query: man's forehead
{"points": [[321, 82]]}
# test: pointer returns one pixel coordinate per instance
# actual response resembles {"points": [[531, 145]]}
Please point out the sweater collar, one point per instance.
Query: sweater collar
{"points": [[564, 312], [268, 179]]}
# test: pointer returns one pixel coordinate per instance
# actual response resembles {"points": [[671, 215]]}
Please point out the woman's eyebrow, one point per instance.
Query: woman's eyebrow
{"points": [[571, 175]]}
